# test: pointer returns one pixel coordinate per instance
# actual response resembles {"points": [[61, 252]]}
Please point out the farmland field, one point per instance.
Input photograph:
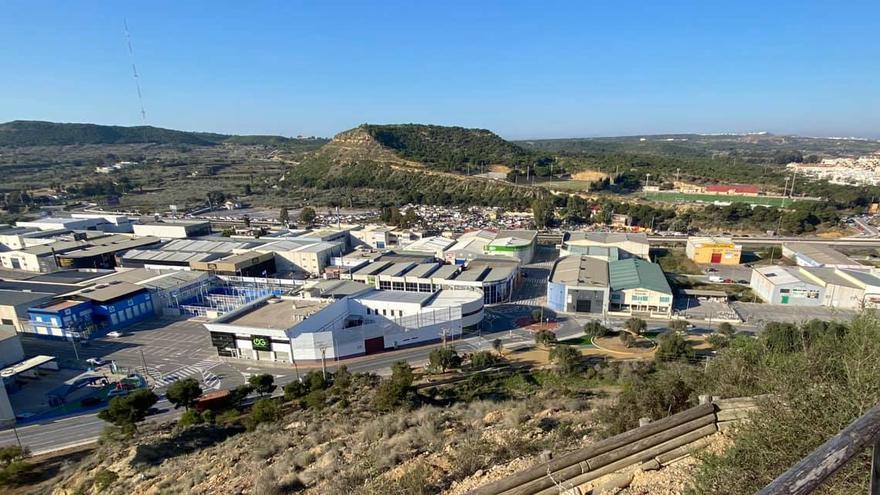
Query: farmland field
{"points": [[711, 198]]}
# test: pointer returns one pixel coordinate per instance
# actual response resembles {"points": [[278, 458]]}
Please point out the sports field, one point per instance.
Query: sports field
{"points": [[711, 198], [566, 185]]}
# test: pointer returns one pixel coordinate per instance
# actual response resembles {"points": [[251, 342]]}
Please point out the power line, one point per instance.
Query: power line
{"points": [[137, 79]]}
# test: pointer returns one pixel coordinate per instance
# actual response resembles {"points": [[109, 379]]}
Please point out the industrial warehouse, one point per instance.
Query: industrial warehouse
{"points": [[584, 284], [368, 321]]}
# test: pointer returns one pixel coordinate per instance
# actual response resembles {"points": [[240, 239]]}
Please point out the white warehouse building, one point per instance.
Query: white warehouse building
{"points": [[288, 330]]}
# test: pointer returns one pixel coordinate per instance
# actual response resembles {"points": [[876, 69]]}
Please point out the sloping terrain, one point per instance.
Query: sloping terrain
{"points": [[39, 133], [357, 160]]}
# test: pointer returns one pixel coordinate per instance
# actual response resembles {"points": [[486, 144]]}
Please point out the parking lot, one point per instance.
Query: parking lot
{"points": [[693, 308], [731, 272], [758, 314], [169, 349]]}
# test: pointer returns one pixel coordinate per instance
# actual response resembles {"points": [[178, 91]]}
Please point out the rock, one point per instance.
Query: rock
{"points": [[493, 417], [651, 465], [615, 483], [478, 473]]}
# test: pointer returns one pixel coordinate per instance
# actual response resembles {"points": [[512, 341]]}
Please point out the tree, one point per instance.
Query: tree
{"points": [[726, 329], [498, 345], [127, 411], [263, 411], [566, 358], [262, 384], [635, 325], [295, 390], [238, 394], [678, 325], [307, 215], [215, 197], [483, 359], [545, 338], [342, 378], [595, 329], [718, 341], [542, 211], [537, 315], [184, 393], [443, 359], [627, 339], [284, 216], [395, 391], [671, 346]]}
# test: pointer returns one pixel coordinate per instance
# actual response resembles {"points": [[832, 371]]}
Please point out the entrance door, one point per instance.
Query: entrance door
{"points": [[784, 299], [583, 306], [374, 346], [716, 257]]}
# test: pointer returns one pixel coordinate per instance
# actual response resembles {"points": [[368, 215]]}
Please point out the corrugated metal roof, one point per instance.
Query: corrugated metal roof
{"points": [[445, 272], [636, 273], [422, 270], [396, 269], [580, 271]]}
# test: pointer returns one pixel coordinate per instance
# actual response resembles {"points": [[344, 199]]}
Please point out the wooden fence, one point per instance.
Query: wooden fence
{"points": [[652, 445]]}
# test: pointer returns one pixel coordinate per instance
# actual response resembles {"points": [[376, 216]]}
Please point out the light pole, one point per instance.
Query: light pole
{"points": [[323, 348]]}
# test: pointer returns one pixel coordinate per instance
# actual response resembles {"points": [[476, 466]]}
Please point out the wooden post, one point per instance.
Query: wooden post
{"points": [[805, 476], [875, 468]]}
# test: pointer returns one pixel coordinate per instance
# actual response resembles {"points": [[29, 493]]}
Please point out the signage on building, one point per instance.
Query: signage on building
{"points": [[261, 343], [222, 340]]}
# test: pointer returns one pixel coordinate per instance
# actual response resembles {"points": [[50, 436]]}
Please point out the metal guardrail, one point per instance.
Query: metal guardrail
{"points": [[809, 474]]}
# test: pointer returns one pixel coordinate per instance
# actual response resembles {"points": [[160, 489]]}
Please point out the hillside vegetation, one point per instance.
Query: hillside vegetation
{"points": [[449, 148], [417, 167], [38, 133]]}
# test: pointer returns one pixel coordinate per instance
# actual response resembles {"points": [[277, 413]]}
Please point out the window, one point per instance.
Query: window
{"points": [[6, 321]]}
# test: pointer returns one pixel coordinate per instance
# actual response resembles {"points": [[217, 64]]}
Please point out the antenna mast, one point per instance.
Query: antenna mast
{"points": [[137, 80]]}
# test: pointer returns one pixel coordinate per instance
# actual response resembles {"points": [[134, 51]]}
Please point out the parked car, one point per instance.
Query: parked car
{"points": [[728, 281], [96, 361], [114, 334], [743, 282], [711, 270]]}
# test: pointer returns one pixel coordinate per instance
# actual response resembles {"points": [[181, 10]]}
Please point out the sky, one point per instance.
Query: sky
{"points": [[539, 69]]}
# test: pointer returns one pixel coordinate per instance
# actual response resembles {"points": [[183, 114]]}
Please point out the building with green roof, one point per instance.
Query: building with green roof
{"points": [[639, 286]]}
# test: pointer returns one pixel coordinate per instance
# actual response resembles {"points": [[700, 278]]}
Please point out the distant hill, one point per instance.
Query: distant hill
{"points": [[39, 133], [416, 163], [444, 148]]}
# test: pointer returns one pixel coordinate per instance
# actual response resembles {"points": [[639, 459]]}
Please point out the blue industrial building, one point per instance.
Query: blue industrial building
{"points": [[93, 311]]}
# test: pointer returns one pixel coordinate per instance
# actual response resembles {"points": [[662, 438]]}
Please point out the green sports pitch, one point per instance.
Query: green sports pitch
{"points": [[711, 198]]}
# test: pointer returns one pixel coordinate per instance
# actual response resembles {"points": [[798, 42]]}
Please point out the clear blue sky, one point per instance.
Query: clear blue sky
{"points": [[523, 69]]}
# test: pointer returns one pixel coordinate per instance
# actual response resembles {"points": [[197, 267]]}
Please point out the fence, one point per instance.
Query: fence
{"points": [[653, 445], [809, 474]]}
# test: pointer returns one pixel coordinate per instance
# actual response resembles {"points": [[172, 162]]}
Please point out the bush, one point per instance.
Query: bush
{"points": [[536, 315], [498, 345], [263, 411], [209, 417], [190, 418], [184, 393], [635, 325], [726, 329], [718, 341], [103, 479], [671, 346], [443, 359], [566, 358], [627, 339], [342, 378], [228, 417], [13, 466], [678, 325], [315, 399], [595, 329], [295, 390], [262, 384], [395, 391], [545, 338], [484, 359], [820, 377]]}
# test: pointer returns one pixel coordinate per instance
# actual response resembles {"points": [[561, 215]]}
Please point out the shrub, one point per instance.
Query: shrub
{"points": [[545, 338], [103, 479], [295, 390], [678, 325], [635, 325], [209, 417], [238, 394], [262, 384], [595, 329], [190, 418], [443, 358], [395, 391], [498, 345], [184, 393], [484, 359], [263, 411], [342, 378], [13, 466], [718, 341], [228, 417], [566, 358], [726, 329], [536, 315], [627, 339], [671, 346], [315, 399]]}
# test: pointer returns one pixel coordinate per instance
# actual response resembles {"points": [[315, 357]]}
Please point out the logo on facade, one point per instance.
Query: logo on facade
{"points": [[260, 343]]}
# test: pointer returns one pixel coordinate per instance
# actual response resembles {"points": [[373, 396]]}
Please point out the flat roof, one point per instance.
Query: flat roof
{"points": [[830, 276], [113, 246], [396, 269], [201, 245], [60, 304], [608, 237], [396, 296], [781, 275], [27, 286], [525, 235], [59, 247], [25, 365], [183, 257], [446, 297], [432, 244], [581, 271], [103, 293], [445, 272], [68, 276], [176, 223], [372, 268], [820, 253], [281, 315], [238, 258], [472, 274], [499, 273], [14, 297], [422, 270], [337, 288]]}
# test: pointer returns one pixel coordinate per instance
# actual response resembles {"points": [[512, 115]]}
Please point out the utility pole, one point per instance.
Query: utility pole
{"points": [[324, 360], [144, 361]]}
